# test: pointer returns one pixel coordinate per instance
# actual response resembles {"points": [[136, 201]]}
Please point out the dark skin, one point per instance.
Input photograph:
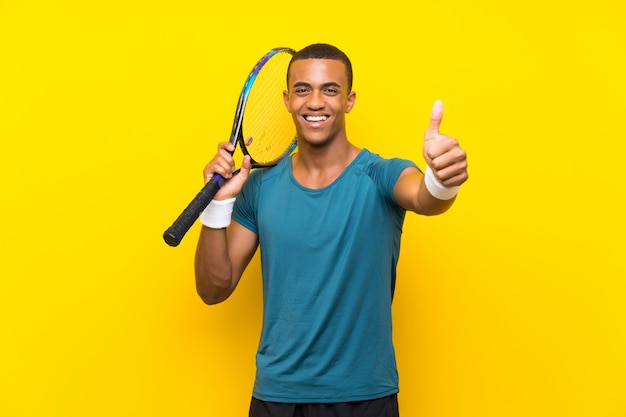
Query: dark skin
{"points": [[318, 99]]}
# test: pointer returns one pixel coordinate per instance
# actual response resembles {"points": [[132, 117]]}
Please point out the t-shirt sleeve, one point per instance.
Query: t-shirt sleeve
{"points": [[385, 173], [244, 211]]}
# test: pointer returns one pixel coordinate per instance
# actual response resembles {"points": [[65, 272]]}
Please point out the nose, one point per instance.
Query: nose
{"points": [[316, 100]]}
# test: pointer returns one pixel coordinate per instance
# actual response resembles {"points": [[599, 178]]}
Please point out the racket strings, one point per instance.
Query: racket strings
{"points": [[267, 126]]}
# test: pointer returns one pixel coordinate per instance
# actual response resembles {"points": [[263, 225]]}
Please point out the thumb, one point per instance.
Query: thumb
{"points": [[233, 186], [244, 171], [246, 166], [435, 117]]}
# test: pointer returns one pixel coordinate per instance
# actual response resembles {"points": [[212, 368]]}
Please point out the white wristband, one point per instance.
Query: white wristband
{"points": [[217, 214], [437, 189]]}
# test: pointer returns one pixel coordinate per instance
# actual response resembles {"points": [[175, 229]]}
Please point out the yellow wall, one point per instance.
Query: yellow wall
{"points": [[511, 304]]}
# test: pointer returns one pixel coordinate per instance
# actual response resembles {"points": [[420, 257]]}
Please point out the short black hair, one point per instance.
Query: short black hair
{"points": [[323, 51]]}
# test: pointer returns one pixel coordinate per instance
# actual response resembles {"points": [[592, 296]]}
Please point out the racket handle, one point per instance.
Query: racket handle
{"points": [[175, 233]]}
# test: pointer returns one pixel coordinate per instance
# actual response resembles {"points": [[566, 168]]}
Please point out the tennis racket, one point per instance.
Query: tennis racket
{"points": [[263, 128]]}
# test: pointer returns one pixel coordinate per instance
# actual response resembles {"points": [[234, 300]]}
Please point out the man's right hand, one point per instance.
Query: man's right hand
{"points": [[224, 165]]}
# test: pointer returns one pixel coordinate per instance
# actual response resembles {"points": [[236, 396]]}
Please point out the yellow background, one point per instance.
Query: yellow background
{"points": [[511, 304]]}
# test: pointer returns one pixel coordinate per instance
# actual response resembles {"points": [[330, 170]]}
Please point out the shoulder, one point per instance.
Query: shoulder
{"points": [[260, 175], [382, 173], [379, 167]]}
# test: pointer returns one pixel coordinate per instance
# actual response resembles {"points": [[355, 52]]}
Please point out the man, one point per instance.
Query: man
{"points": [[328, 221]]}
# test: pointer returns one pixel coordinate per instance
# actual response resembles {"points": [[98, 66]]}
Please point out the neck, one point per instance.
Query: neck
{"points": [[317, 167]]}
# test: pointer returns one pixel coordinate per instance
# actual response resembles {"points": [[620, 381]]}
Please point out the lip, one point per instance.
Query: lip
{"points": [[315, 119]]}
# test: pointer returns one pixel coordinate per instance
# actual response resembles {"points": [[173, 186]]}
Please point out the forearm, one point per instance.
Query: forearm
{"points": [[224, 248], [429, 205], [222, 256], [412, 193], [213, 269]]}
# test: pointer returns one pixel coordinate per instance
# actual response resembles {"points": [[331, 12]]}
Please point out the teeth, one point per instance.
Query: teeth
{"points": [[316, 118]]}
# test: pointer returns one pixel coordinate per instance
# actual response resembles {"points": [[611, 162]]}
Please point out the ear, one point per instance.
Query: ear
{"points": [[286, 100], [351, 101]]}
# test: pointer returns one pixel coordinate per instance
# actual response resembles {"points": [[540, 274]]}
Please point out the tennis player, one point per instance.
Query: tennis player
{"points": [[328, 221]]}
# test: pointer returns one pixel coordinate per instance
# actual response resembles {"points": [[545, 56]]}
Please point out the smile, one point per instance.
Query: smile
{"points": [[315, 118]]}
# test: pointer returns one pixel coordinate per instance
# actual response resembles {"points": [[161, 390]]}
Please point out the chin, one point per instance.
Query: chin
{"points": [[315, 141]]}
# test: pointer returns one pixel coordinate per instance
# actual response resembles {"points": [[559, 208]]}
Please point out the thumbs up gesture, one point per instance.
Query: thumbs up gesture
{"points": [[442, 153]]}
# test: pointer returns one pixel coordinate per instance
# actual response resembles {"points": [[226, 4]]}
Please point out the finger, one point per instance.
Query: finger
{"points": [[442, 146], [227, 146], [435, 116], [220, 166], [453, 175], [451, 167], [236, 181]]}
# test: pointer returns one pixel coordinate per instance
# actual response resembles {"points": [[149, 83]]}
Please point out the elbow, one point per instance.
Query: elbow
{"points": [[210, 301], [212, 296], [210, 288], [434, 212]]}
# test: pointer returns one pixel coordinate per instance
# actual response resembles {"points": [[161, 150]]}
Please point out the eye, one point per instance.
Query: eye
{"points": [[331, 91], [301, 90]]}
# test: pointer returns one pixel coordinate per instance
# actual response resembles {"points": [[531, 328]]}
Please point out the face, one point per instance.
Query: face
{"points": [[318, 100]]}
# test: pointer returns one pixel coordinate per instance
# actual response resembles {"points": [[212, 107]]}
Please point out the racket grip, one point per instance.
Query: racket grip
{"points": [[175, 233]]}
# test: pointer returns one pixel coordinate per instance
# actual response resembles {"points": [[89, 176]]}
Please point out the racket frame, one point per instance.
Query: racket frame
{"points": [[175, 233]]}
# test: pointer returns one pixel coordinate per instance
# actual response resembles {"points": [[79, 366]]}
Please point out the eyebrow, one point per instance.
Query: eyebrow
{"points": [[324, 85]]}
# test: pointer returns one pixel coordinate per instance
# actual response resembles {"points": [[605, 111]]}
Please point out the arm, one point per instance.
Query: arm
{"points": [[223, 254], [221, 257], [447, 163], [411, 193]]}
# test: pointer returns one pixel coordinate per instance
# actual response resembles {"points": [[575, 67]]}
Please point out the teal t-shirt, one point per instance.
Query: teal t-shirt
{"points": [[328, 260]]}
